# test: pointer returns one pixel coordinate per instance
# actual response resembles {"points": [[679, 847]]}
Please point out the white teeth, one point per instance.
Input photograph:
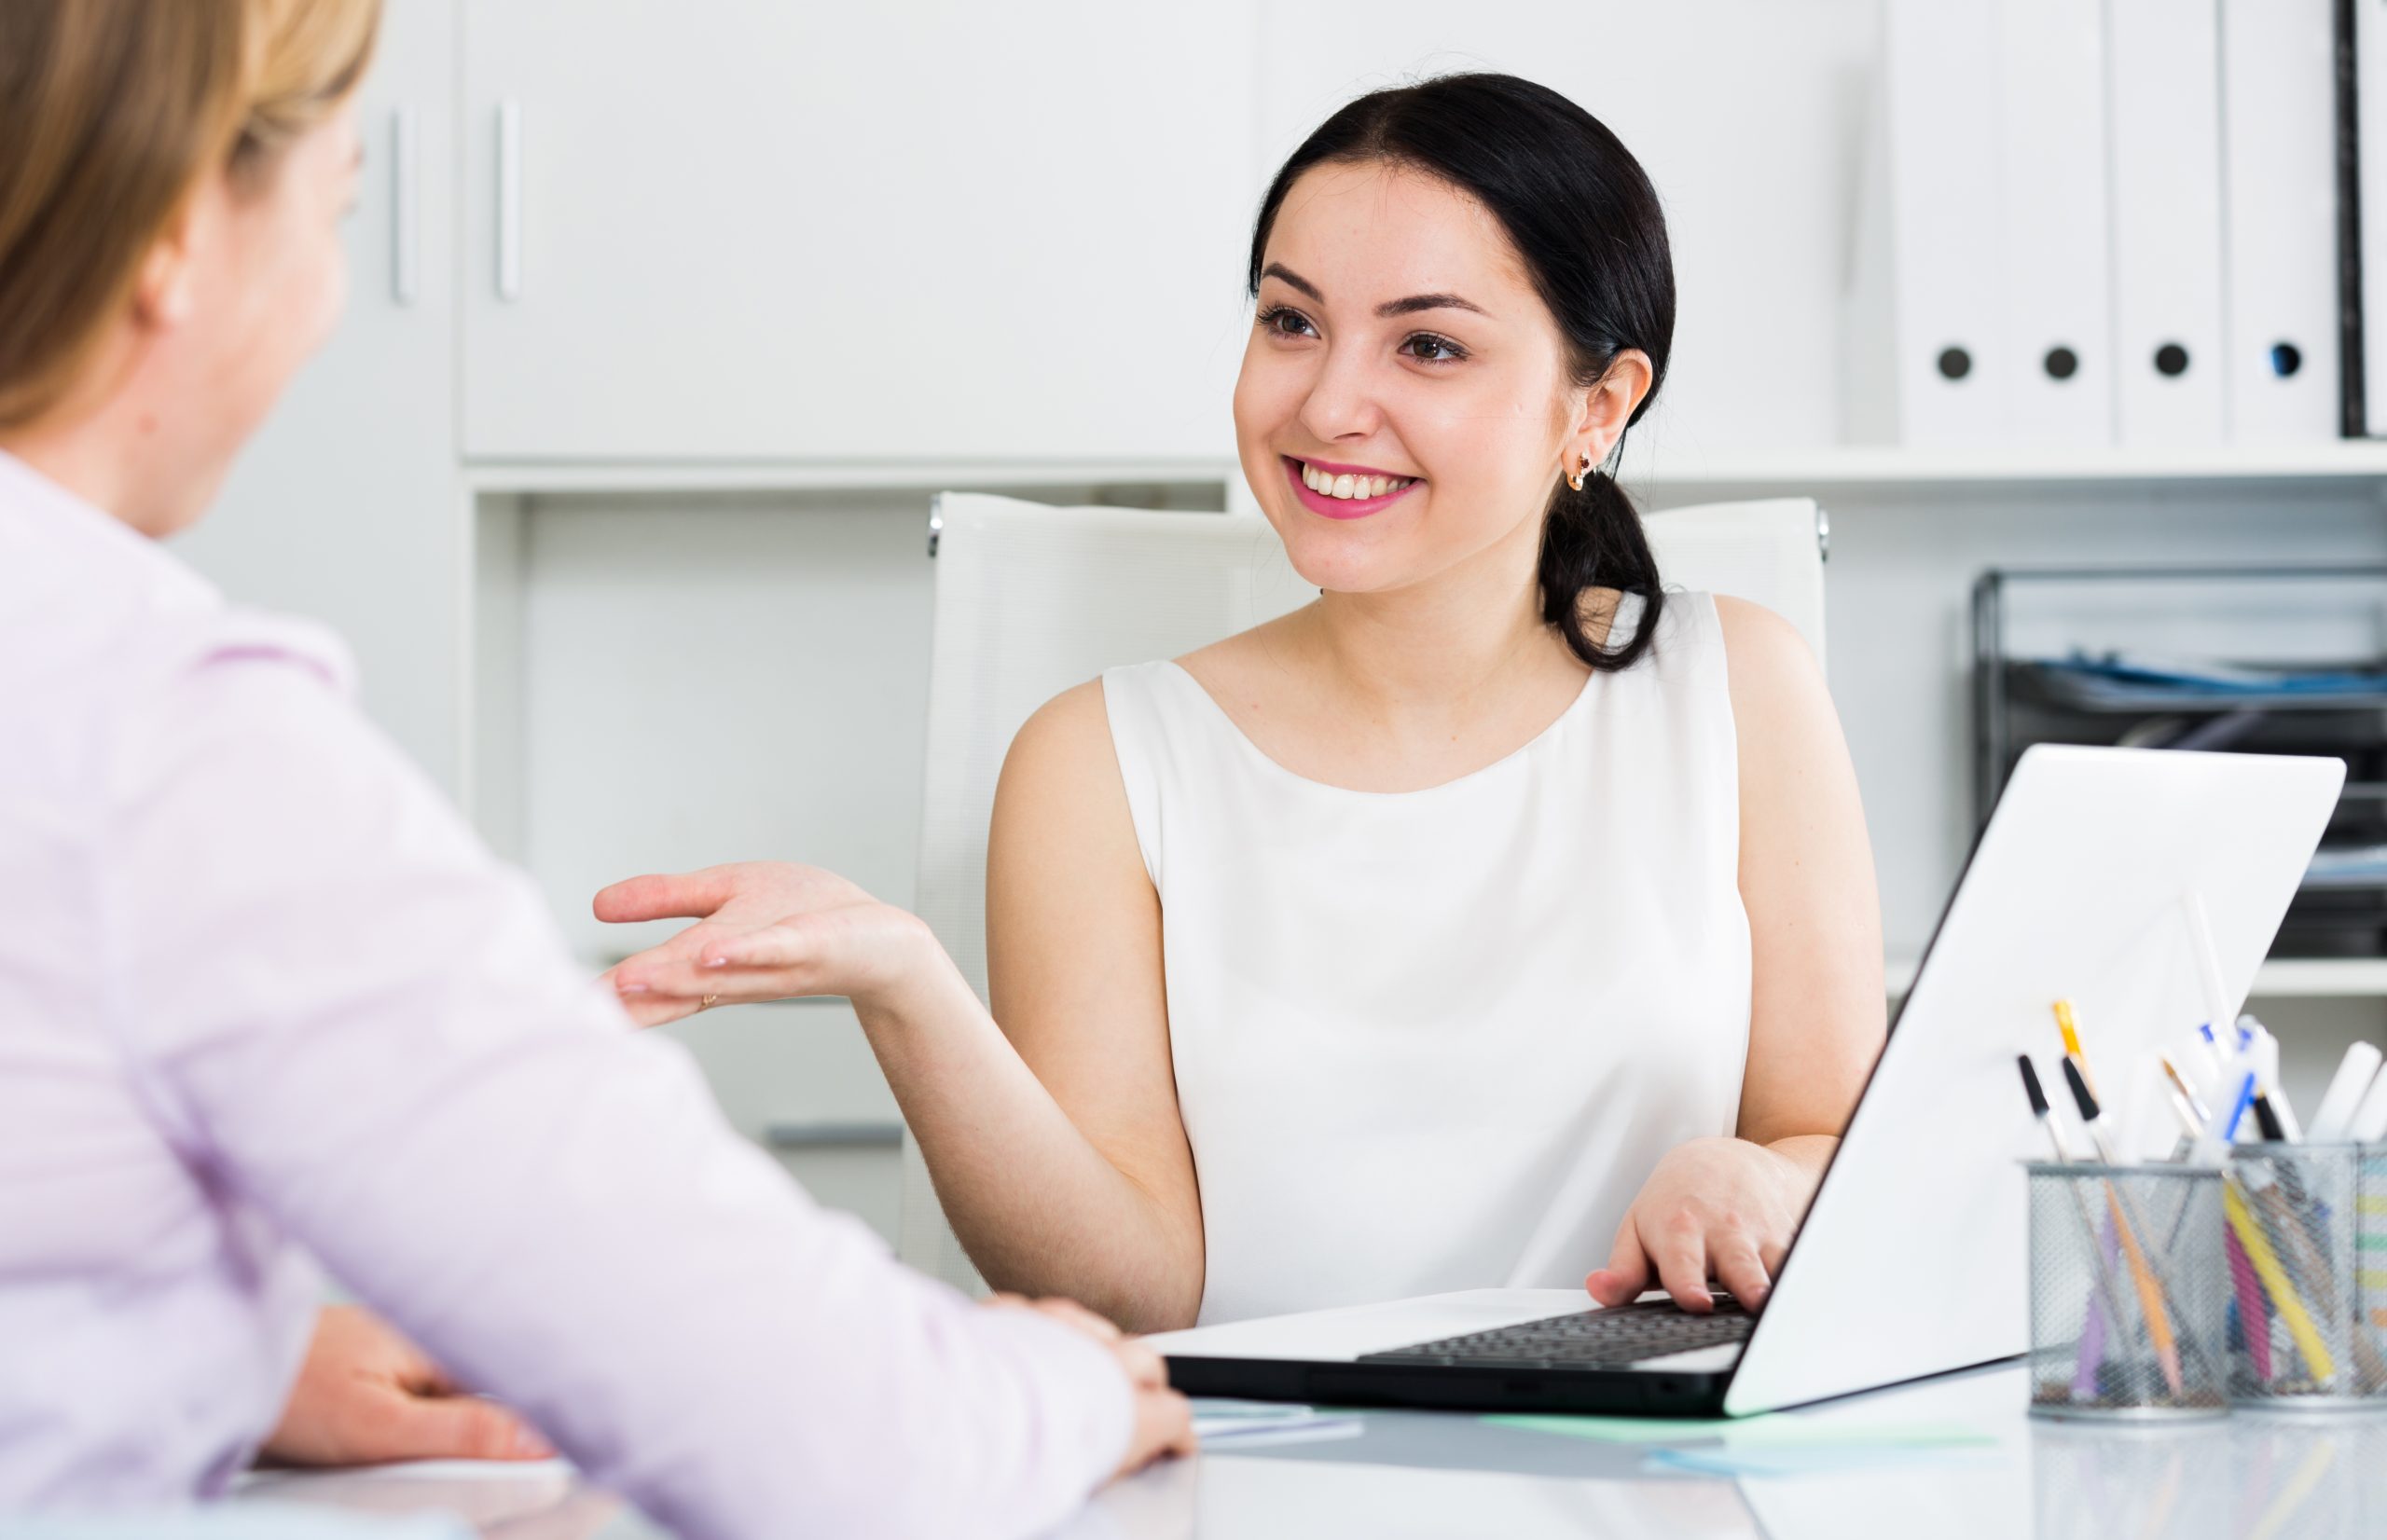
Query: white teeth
{"points": [[1327, 484]]}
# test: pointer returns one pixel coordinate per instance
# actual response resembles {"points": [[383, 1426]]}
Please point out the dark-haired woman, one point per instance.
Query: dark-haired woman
{"points": [[1498, 916]]}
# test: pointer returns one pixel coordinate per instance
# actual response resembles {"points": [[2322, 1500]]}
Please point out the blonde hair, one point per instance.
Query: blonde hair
{"points": [[113, 112]]}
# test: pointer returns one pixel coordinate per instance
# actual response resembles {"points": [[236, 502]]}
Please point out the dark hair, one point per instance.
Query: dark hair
{"points": [[1583, 215]]}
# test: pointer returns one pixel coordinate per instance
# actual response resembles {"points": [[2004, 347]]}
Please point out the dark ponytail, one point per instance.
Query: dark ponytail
{"points": [[1586, 221]]}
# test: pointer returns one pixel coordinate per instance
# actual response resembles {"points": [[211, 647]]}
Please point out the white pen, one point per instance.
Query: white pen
{"points": [[2369, 1125], [2355, 1071]]}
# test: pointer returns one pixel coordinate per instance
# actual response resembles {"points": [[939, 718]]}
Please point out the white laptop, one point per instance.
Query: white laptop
{"points": [[1912, 1259]]}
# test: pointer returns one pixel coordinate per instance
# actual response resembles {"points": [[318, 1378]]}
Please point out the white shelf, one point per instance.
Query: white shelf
{"points": [[2356, 460], [1789, 470], [663, 475], [2281, 977]]}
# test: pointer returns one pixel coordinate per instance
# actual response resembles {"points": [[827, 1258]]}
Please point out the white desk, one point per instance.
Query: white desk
{"points": [[1417, 1474]]}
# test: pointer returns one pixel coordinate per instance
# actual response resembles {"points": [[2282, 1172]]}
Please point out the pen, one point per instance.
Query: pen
{"points": [[2277, 1284], [2107, 1297], [2150, 1289], [2245, 1099], [2196, 1120], [2265, 1054], [2267, 1120], [2355, 1072], [2370, 1123]]}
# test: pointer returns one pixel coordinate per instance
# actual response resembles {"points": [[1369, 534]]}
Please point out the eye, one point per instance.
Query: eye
{"points": [[1427, 348], [1284, 321]]}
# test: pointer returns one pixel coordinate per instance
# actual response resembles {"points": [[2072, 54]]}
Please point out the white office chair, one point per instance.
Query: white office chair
{"points": [[1033, 600]]}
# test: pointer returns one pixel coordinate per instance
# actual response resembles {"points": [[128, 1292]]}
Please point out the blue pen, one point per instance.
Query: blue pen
{"points": [[2238, 1112]]}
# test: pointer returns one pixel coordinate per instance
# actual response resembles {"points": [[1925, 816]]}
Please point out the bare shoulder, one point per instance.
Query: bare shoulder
{"points": [[1782, 710], [1759, 642], [1065, 744]]}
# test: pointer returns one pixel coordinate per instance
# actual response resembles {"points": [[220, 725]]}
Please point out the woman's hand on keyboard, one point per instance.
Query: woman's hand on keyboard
{"points": [[1720, 1209]]}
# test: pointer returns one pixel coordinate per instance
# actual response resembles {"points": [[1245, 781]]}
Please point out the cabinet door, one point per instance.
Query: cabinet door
{"points": [[944, 229], [346, 505], [1744, 114]]}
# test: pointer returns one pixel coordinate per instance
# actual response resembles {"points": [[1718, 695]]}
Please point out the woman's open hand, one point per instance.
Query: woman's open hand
{"points": [[1724, 1209], [765, 930]]}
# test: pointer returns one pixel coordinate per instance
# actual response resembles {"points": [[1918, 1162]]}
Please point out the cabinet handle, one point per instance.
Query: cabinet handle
{"points": [[509, 200], [406, 204]]}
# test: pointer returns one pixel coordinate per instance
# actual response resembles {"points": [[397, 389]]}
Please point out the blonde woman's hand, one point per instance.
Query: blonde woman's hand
{"points": [[365, 1396], [1163, 1419], [765, 930], [1722, 1209]]}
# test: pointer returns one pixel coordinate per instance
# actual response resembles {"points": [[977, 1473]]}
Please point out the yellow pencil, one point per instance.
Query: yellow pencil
{"points": [[2275, 1281], [2072, 1049]]}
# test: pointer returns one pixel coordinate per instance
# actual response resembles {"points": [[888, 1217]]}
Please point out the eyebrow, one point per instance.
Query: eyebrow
{"points": [[1411, 305]]}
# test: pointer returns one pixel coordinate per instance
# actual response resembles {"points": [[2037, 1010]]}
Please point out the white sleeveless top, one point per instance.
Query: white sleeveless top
{"points": [[1430, 1040]]}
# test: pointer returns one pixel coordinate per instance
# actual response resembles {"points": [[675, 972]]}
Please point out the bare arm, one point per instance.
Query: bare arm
{"points": [[1728, 1208], [1057, 1151], [1073, 965], [1817, 1005]]}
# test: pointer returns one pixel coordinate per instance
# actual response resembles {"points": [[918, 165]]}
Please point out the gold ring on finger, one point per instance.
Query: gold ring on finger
{"points": [[706, 1004]]}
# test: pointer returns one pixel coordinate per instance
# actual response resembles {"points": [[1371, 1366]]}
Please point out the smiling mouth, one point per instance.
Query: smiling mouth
{"points": [[1347, 487], [1340, 492]]}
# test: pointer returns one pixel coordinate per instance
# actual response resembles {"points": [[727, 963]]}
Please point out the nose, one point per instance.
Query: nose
{"points": [[1342, 400]]}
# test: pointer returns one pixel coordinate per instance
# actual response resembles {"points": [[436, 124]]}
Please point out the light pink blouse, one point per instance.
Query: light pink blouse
{"points": [[265, 1001]]}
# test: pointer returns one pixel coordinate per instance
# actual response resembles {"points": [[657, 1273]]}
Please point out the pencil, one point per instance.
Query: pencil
{"points": [[2276, 1282]]}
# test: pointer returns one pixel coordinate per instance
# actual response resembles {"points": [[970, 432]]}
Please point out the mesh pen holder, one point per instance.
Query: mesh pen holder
{"points": [[2128, 1292], [2307, 1247]]}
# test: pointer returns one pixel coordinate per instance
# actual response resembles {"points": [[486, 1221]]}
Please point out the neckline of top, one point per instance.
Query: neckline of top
{"points": [[1234, 730]]}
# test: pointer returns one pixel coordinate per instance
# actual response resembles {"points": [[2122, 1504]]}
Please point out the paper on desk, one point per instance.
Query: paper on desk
{"points": [[1767, 1458], [1776, 1432], [1617, 1430], [1243, 1424]]}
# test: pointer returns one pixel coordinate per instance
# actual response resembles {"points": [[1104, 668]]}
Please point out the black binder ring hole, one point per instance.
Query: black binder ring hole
{"points": [[2170, 361], [2061, 363], [2287, 357], [1955, 363]]}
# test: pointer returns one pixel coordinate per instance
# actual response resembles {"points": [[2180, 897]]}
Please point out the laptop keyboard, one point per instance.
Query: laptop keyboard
{"points": [[1590, 1339]]}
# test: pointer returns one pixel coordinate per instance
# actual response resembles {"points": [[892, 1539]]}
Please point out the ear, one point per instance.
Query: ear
{"points": [[165, 290], [1604, 410]]}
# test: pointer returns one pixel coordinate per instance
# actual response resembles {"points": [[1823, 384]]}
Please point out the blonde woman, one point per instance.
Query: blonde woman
{"points": [[265, 1001]]}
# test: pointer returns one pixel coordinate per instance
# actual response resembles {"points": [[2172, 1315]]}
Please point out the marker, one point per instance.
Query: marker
{"points": [[2040, 1112], [2150, 1289], [2370, 1123], [2355, 1072]]}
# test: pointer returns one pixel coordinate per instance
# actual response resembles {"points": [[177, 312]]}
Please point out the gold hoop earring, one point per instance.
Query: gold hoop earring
{"points": [[1575, 480]]}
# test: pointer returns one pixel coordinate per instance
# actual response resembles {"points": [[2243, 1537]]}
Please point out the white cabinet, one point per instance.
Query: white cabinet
{"points": [[1745, 113], [735, 230], [348, 506]]}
